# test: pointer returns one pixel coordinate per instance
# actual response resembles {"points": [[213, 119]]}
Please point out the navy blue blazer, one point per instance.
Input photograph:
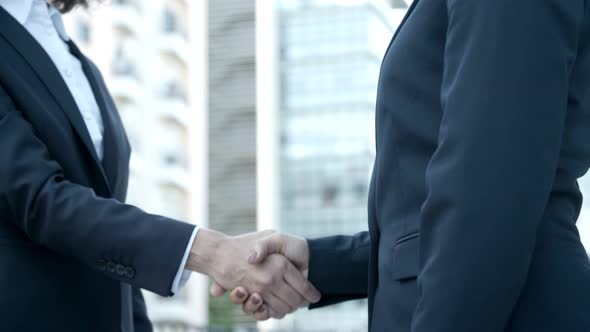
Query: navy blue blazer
{"points": [[482, 130], [73, 256]]}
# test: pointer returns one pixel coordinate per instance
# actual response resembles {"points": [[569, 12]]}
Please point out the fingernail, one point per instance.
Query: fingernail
{"points": [[240, 293], [317, 298], [252, 256], [255, 300]]}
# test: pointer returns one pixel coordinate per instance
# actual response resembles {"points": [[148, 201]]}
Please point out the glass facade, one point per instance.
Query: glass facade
{"points": [[330, 58]]}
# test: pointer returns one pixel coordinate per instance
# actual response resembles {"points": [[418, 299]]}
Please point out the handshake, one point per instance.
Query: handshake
{"points": [[267, 271]]}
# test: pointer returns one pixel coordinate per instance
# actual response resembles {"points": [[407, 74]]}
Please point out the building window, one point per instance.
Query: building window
{"points": [[122, 64], [170, 21], [174, 138]]}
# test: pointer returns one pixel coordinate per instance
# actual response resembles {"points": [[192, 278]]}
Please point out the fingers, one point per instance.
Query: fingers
{"points": [[264, 248], [263, 313], [278, 306], [296, 280], [279, 294], [289, 295], [238, 295], [216, 290], [253, 304]]}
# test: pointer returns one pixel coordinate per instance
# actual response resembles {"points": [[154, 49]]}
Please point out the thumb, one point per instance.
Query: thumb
{"points": [[264, 248], [216, 290]]}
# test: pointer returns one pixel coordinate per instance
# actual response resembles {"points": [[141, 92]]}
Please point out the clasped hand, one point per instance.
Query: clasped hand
{"points": [[267, 271]]}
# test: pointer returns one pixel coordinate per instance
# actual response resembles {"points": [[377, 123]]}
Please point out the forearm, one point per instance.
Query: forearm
{"points": [[204, 256], [118, 239], [338, 267], [104, 233]]}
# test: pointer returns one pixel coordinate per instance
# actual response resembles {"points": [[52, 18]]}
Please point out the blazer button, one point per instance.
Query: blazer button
{"points": [[101, 263], [120, 269], [111, 267], [130, 272]]}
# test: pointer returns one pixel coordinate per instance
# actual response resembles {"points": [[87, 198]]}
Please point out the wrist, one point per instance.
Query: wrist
{"points": [[204, 253]]}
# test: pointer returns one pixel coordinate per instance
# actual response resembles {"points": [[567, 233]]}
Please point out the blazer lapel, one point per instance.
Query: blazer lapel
{"points": [[111, 148], [41, 63]]}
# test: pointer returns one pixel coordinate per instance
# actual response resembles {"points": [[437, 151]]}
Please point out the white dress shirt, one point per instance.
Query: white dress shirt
{"points": [[44, 22]]}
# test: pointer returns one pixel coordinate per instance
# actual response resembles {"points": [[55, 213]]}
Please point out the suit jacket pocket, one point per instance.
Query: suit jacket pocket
{"points": [[404, 258]]}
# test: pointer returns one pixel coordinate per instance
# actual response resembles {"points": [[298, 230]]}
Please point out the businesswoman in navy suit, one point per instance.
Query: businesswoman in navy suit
{"points": [[482, 130], [65, 258], [73, 256]]}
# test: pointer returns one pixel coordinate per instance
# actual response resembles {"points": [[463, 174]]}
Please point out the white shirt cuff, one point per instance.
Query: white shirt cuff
{"points": [[183, 275]]}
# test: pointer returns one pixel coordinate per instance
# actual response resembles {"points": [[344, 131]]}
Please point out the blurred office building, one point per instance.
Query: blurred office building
{"points": [[232, 152], [145, 50], [232, 115]]}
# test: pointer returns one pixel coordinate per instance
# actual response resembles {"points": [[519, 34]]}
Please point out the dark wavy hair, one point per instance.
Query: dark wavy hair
{"points": [[65, 6]]}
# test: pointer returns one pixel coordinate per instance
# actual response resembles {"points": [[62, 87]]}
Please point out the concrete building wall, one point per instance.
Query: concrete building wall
{"points": [[145, 51]]}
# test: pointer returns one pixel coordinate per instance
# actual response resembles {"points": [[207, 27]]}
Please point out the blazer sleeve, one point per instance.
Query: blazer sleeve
{"points": [[338, 267], [119, 240], [504, 99]]}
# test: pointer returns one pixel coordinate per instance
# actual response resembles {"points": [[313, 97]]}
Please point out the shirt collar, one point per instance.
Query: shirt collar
{"points": [[58, 22], [21, 9]]}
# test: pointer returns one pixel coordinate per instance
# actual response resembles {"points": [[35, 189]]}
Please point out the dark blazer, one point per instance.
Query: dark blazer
{"points": [[483, 128], [72, 255]]}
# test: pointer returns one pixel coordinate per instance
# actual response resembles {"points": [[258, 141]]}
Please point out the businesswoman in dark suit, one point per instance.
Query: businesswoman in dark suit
{"points": [[482, 130], [73, 256]]}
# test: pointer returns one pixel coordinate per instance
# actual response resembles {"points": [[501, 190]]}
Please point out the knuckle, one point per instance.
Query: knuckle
{"points": [[260, 246], [266, 281], [275, 237], [280, 266], [284, 265], [268, 232], [276, 279]]}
